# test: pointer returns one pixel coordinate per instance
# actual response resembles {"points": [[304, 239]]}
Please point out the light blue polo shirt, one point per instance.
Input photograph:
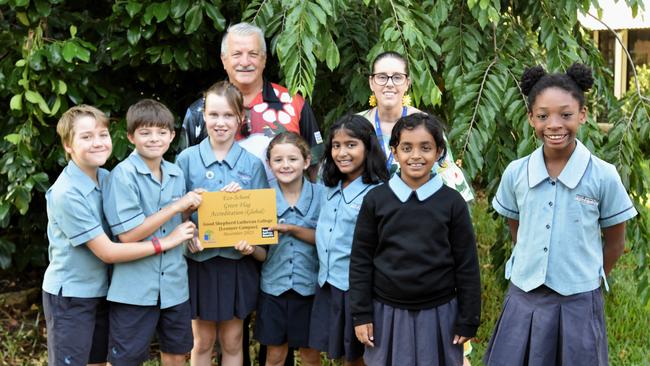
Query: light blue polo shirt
{"points": [[292, 263], [338, 217], [74, 216], [131, 194], [559, 237], [202, 170]]}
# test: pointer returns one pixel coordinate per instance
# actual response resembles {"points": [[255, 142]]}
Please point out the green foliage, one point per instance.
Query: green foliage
{"points": [[465, 58]]}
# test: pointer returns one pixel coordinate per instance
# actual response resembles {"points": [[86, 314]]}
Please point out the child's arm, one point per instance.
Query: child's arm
{"points": [[364, 244], [466, 270], [258, 252], [513, 225], [302, 233], [111, 252], [614, 238], [191, 200]]}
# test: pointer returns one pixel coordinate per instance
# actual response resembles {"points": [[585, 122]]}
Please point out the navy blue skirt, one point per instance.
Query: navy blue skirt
{"points": [[542, 327], [414, 337], [222, 288], [331, 329], [283, 319]]}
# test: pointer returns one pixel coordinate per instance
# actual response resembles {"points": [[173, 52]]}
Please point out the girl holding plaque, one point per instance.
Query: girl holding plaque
{"points": [[223, 282]]}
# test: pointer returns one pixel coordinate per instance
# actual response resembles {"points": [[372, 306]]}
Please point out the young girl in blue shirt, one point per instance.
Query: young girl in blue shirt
{"points": [[223, 282], [415, 292], [288, 278], [566, 211], [353, 164]]}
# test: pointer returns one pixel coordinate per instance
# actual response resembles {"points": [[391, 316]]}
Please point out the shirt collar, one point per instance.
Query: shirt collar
{"points": [[304, 202], [354, 189], [167, 168], [268, 94], [571, 173], [208, 157], [403, 191], [81, 180]]}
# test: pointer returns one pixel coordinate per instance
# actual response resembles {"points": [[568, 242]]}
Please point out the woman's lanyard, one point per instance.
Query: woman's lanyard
{"points": [[380, 137]]}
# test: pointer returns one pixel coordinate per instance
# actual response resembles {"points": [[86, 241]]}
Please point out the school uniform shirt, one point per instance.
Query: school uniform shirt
{"points": [[202, 170], [74, 216], [292, 264], [338, 216], [415, 250], [559, 237], [132, 194]]}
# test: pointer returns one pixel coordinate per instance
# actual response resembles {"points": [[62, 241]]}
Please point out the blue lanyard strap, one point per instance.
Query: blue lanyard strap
{"points": [[380, 137]]}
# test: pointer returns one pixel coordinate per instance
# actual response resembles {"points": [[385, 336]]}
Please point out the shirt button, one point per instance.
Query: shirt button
{"points": [[220, 181], [330, 230], [162, 273], [164, 252], [163, 230], [334, 210], [291, 209], [545, 249], [552, 183], [548, 226], [290, 261], [550, 204], [325, 250]]}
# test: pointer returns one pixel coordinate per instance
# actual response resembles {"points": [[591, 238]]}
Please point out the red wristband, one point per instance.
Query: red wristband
{"points": [[156, 245]]}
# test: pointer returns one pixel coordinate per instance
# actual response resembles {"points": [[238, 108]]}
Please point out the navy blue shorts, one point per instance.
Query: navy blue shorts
{"points": [[77, 329], [283, 319], [133, 326]]}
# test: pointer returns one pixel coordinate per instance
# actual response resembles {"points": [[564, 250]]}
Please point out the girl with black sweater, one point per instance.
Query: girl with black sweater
{"points": [[414, 275]]}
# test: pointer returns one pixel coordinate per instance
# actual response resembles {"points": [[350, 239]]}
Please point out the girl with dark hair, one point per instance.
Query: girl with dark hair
{"points": [[353, 164], [415, 292], [566, 211]]}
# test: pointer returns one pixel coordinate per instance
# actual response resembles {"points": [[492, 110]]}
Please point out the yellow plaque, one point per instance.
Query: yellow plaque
{"points": [[226, 218]]}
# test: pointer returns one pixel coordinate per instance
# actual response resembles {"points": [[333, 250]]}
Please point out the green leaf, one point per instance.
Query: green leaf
{"points": [[133, 34], [20, 63], [69, 51], [178, 8], [21, 199], [214, 14], [193, 19], [41, 181], [332, 57], [161, 11], [4, 209], [16, 102], [133, 8], [73, 31], [62, 88], [22, 18], [43, 7], [35, 97], [13, 138]]}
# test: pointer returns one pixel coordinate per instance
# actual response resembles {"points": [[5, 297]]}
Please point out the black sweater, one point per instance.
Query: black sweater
{"points": [[415, 255]]}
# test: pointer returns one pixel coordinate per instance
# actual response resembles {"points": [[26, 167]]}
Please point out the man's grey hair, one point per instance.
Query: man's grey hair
{"points": [[243, 29]]}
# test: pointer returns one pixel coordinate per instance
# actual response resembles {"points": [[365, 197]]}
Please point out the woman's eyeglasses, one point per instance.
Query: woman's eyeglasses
{"points": [[382, 79]]}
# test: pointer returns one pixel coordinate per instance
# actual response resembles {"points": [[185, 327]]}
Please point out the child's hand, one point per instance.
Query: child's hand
{"points": [[231, 187], [281, 228], [194, 244], [181, 233], [190, 201], [460, 339], [244, 248], [364, 334]]}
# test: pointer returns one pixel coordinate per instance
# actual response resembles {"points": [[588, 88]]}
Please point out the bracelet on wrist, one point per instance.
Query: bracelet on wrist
{"points": [[156, 245]]}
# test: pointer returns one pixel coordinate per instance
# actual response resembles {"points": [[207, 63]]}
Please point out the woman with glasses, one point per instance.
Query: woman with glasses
{"points": [[389, 82]]}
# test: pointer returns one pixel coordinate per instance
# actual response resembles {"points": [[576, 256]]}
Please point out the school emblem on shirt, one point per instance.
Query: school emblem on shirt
{"points": [[318, 137], [586, 200], [209, 174]]}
